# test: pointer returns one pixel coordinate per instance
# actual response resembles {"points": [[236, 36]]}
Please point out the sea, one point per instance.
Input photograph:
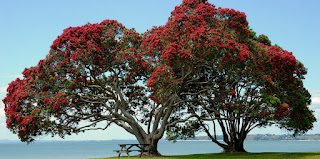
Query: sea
{"points": [[101, 149]]}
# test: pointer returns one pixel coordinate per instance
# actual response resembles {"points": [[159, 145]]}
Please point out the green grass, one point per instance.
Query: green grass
{"points": [[304, 155]]}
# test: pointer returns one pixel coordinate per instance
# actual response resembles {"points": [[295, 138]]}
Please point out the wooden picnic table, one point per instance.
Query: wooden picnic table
{"points": [[126, 148]]}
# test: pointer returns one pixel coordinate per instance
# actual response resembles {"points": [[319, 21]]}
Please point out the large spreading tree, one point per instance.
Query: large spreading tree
{"points": [[94, 76], [204, 65], [228, 75]]}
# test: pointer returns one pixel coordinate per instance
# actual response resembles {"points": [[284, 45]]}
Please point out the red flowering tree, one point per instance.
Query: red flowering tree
{"points": [[204, 65], [93, 76], [224, 74]]}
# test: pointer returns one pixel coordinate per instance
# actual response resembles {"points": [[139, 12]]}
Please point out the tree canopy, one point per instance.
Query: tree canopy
{"points": [[94, 76], [228, 74]]}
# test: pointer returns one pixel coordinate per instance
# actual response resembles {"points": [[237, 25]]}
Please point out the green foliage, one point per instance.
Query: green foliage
{"points": [[264, 39], [183, 132], [276, 45]]}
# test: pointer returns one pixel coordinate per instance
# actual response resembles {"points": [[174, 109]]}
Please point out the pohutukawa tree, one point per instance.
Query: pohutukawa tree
{"points": [[94, 76], [227, 75], [204, 65]]}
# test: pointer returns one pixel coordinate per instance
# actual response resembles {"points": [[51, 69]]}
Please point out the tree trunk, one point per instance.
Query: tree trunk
{"points": [[235, 147], [153, 148]]}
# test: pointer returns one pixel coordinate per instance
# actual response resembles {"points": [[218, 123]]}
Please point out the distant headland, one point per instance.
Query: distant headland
{"points": [[271, 137]]}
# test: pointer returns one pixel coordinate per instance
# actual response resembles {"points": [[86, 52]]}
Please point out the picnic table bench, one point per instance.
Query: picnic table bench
{"points": [[126, 148]]}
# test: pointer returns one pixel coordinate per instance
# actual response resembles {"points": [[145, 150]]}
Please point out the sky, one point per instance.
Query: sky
{"points": [[28, 29]]}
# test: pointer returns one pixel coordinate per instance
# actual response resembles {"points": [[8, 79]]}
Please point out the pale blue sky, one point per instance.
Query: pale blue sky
{"points": [[28, 28]]}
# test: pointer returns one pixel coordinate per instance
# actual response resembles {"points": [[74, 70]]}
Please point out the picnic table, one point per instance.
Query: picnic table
{"points": [[127, 148]]}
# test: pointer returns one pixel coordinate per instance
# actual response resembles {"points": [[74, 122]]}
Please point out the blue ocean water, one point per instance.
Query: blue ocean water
{"points": [[99, 149]]}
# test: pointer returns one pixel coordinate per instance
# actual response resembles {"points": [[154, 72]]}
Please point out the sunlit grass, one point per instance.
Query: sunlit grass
{"points": [[304, 155]]}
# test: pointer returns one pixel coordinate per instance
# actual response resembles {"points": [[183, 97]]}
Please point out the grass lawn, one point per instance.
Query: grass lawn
{"points": [[304, 155]]}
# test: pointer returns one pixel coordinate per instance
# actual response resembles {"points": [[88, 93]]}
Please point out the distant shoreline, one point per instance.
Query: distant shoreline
{"points": [[286, 140], [251, 137], [246, 140], [263, 137], [193, 140], [181, 141]]}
